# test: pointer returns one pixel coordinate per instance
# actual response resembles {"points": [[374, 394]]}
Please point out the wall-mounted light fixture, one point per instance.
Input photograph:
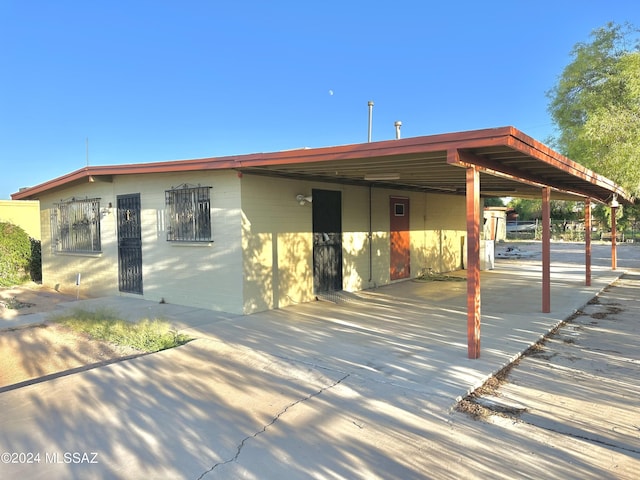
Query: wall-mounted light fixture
{"points": [[382, 176], [106, 211], [304, 199], [614, 201]]}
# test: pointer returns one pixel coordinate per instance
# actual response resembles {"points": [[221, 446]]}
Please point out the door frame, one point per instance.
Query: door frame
{"points": [[399, 240], [129, 243], [327, 240]]}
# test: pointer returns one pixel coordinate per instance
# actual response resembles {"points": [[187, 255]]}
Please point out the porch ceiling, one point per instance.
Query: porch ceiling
{"points": [[510, 164], [427, 171]]}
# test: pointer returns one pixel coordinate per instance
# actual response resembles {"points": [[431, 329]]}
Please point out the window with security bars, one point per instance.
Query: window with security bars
{"points": [[188, 214], [75, 226]]}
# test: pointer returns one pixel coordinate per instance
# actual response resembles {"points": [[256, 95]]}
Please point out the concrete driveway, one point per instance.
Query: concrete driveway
{"points": [[361, 388]]}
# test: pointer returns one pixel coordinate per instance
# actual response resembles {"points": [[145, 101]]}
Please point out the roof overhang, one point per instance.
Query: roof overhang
{"points": [[510, 164]]}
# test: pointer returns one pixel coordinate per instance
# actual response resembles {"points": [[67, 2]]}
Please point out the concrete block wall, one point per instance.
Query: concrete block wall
{"points": [[278, 243], [261, 253], [206, 275], [97, 270]]}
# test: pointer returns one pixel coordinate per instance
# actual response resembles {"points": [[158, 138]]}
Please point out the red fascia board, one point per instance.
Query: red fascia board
{"points": [[128, 169], [523, 143], [502, 136], [424, 144], [431, 143]]}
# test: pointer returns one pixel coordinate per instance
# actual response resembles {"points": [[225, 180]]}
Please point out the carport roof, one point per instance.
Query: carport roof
{"points": [[510, 163]]}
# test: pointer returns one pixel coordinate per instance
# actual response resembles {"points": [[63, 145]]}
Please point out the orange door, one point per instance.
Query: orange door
{"points": [[399, 235]]}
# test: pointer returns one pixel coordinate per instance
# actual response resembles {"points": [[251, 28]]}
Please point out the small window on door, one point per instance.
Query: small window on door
{"points": [[398, 209]]}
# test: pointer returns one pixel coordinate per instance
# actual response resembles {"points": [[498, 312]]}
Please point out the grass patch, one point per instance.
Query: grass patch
{"points": [[104, 324], [431, 276]]}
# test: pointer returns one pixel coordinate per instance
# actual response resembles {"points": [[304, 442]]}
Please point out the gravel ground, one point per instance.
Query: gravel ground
{"points": [[38, 351]]}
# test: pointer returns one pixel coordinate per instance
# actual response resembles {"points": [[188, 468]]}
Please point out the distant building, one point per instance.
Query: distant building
{"points": [[495, 223]]}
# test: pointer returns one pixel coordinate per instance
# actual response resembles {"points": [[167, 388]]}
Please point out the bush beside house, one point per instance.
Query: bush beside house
{"points": [[19, 256]]}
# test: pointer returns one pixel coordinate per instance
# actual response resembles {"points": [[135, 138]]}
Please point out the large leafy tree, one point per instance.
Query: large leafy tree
{"points": [[596, 105]]}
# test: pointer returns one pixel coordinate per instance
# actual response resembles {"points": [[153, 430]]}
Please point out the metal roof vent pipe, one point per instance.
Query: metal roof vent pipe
{"points": [[370, 119], [398, 124]]}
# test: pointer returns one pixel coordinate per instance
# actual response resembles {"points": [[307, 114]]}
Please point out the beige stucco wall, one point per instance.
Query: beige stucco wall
{"points": [[444, 232], [24, 213], [261, 256], [278, 244], [205, 275], [437, 227], [98, 270]]}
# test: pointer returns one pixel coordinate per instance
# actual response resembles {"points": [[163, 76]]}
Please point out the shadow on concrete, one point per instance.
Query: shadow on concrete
{"points": [[360, 389]]}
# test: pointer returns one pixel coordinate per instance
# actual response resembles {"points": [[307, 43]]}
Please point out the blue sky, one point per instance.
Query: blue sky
{"points": [[154, 80]]}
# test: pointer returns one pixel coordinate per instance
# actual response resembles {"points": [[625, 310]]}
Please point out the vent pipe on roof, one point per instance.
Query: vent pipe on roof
{"points": [[398, 124], [370, 119]]}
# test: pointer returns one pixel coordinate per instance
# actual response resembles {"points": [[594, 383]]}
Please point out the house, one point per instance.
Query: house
{"points": [[226, 239], [261, 231]]}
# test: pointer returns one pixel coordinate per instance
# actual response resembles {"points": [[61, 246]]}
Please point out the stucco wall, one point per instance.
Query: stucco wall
{"points": [[437, 228], [444, 232], [261, 256], [207, 274], [98, 270], [24, 213], [204, 275], [278, 243]]}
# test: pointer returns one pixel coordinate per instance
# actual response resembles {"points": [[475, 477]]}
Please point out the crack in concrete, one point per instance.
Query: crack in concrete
{"points": [[586, 438], [402, 383], [273, 421]]}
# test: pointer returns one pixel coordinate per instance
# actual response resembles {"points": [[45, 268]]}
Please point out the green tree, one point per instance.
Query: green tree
{"points": [[493, 202], [526, 209], [596, 105]]}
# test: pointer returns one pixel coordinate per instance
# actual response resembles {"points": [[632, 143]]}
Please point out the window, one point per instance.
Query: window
{"points": [[188, 214], [75, 226]]}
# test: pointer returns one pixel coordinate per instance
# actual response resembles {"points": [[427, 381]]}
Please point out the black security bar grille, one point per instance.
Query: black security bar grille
{"points": [[75, 226], [188, 213]]}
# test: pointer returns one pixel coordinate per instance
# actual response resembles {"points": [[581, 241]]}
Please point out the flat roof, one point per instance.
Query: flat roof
{"points": [[510, 164]]}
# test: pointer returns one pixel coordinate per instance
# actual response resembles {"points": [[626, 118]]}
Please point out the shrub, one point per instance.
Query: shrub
{"points": [[15, 254]]}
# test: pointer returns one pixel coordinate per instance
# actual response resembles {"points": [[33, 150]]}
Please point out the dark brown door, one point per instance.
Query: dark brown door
{"points": [[327, 240], [399, 235], [129, 244]]}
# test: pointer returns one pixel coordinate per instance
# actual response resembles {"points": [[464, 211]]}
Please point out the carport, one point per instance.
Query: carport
{"points": [[481, 163]]}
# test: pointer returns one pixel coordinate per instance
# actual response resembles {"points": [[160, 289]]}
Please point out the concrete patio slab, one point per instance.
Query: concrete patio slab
{"points": [[359, 389]]}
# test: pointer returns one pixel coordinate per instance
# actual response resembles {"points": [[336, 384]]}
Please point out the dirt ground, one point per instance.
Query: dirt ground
{"points": [[31, 352]]}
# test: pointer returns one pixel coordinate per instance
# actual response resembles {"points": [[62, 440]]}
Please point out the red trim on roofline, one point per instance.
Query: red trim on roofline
{"points": [[502, 136]]}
